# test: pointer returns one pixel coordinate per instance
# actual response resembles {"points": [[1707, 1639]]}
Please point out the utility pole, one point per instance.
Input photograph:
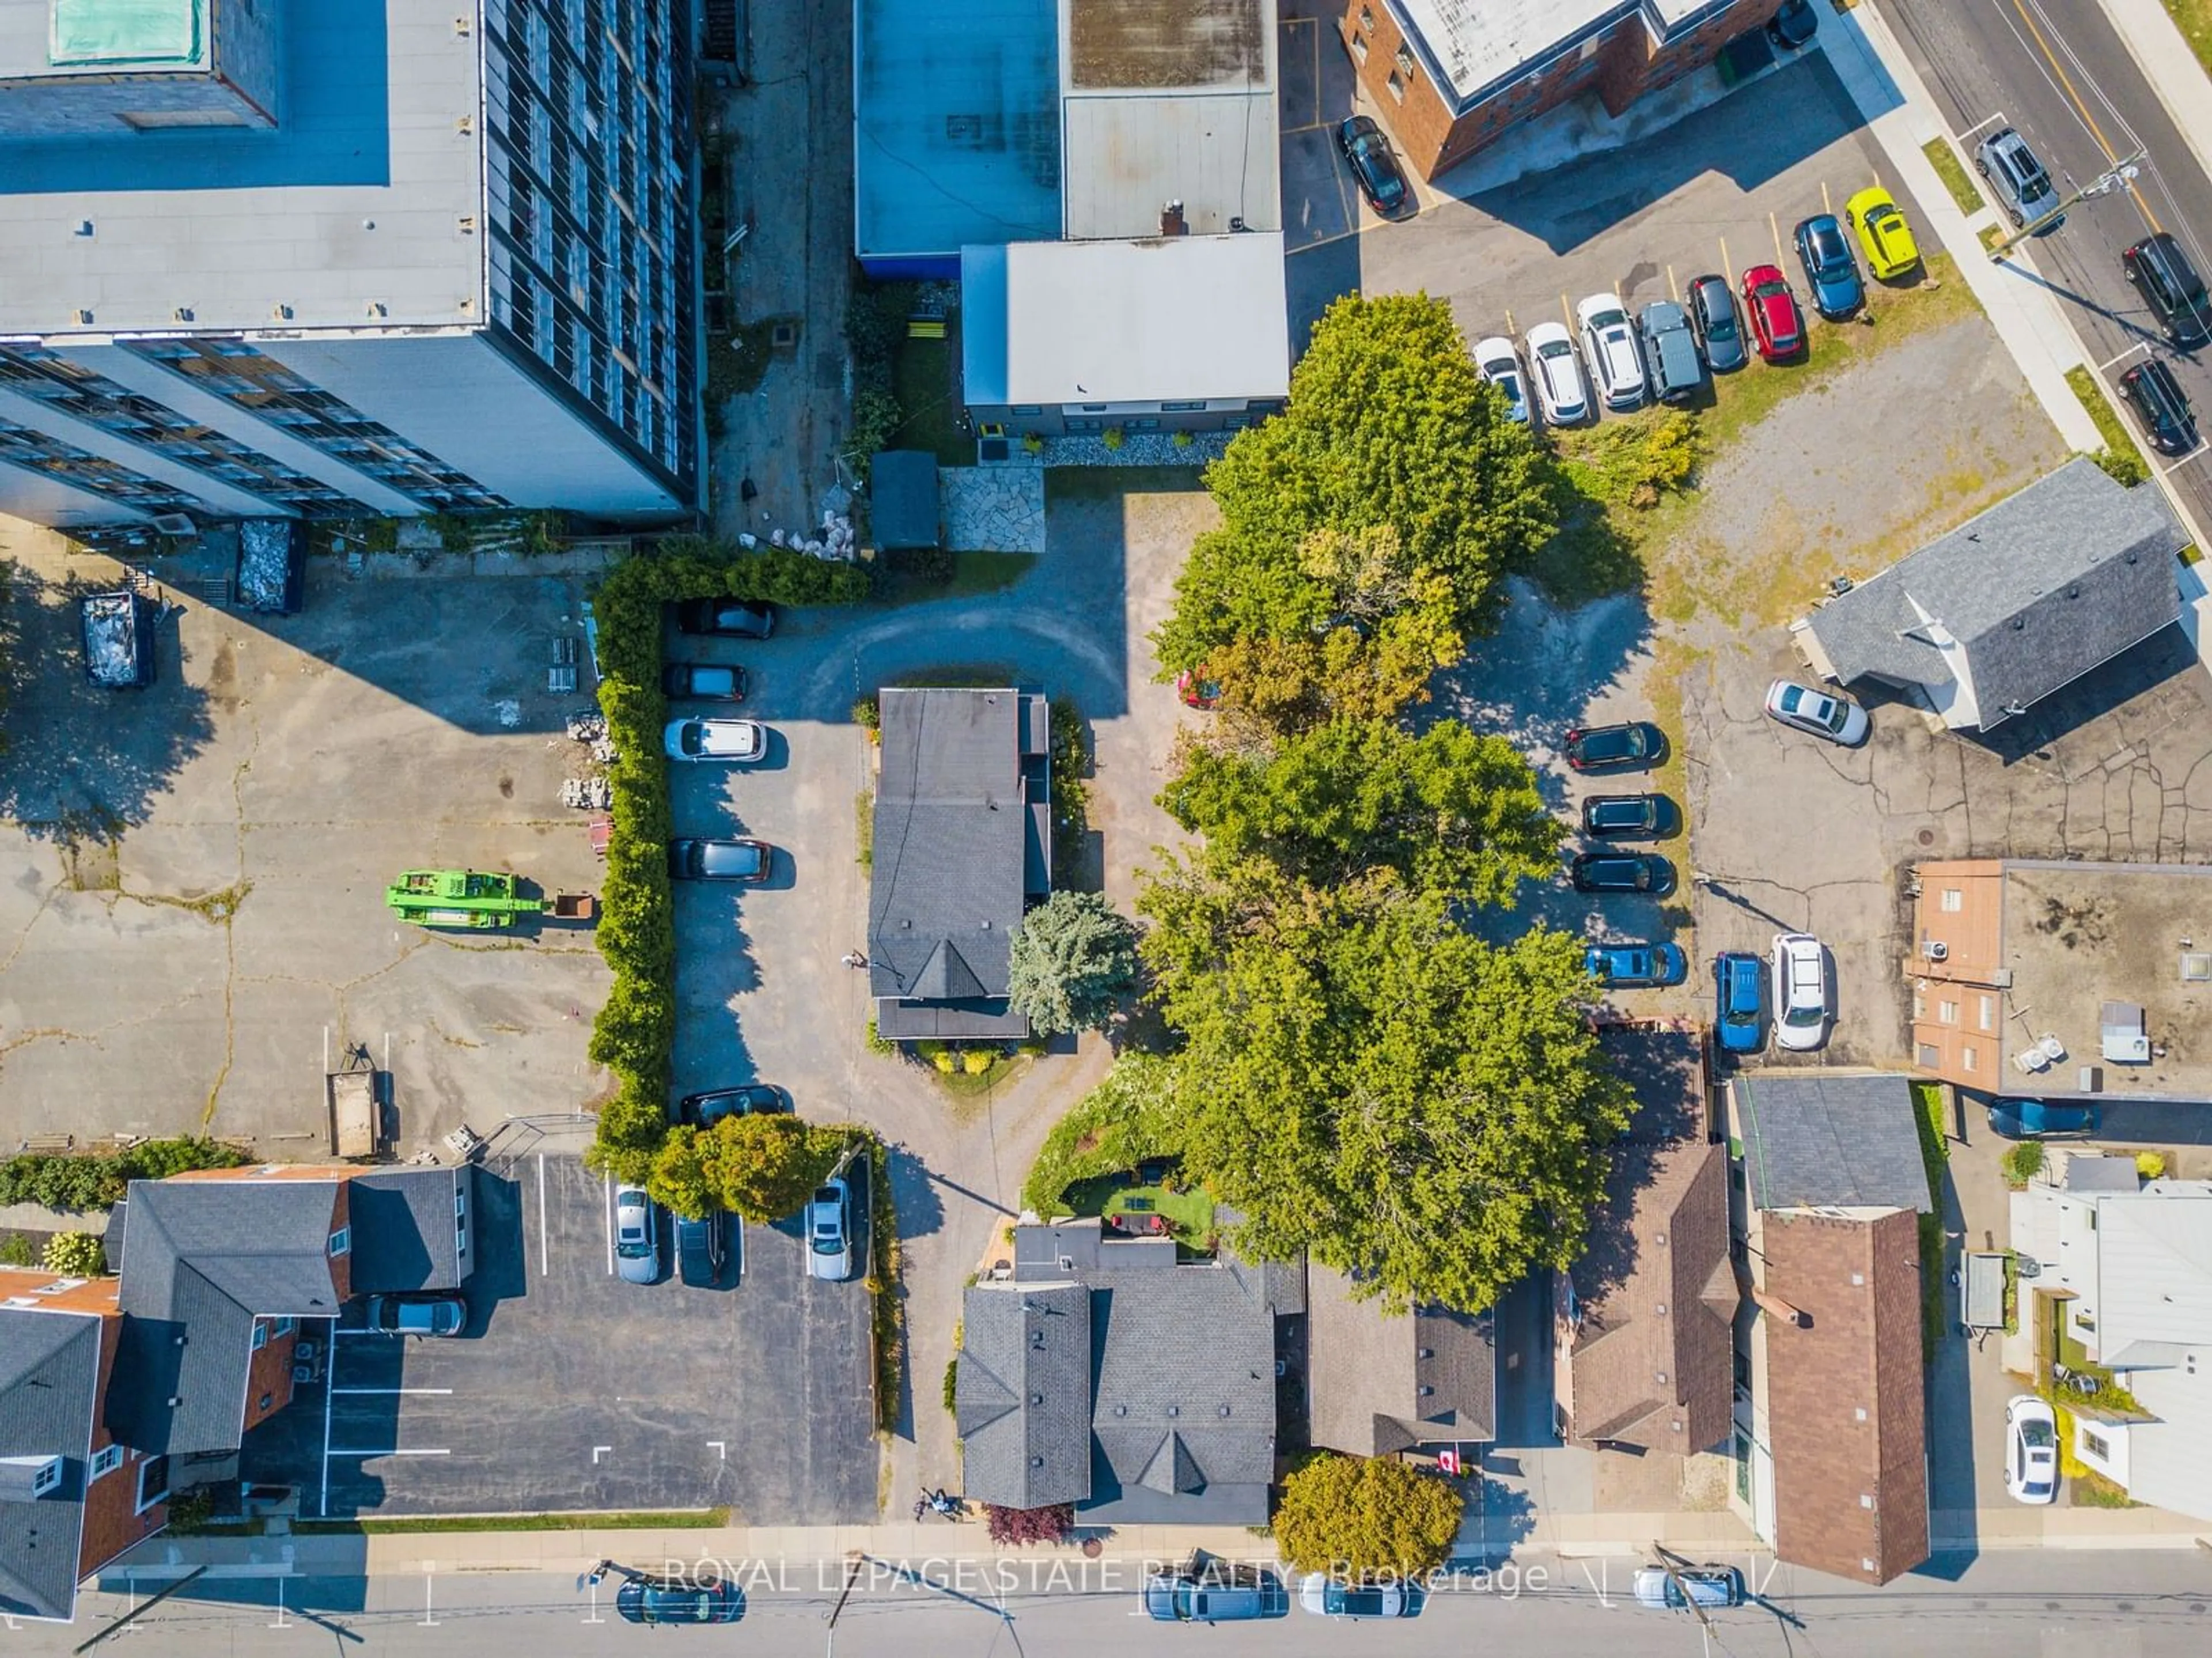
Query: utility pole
{"points": [[2119, 173]]}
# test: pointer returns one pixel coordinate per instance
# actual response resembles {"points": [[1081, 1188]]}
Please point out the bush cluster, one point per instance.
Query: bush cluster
{"points": [[1013, 1528], [636, 933], [93, 1179], [1128, 1117]]}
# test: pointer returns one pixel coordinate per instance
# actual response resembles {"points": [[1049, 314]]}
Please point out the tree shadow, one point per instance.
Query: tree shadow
{"points": [[82, 763]]}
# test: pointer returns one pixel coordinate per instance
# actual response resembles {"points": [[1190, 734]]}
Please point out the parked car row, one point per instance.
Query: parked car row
{"points": [[1610, 818], [1225, 1592], [1791, 985]]}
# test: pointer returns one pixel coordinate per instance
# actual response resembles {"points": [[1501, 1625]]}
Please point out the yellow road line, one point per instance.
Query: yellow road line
{"points": [[2079, 108]]}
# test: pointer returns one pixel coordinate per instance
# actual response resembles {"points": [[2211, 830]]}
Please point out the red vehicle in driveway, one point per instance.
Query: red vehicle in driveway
{"points": [[1777, 326]]}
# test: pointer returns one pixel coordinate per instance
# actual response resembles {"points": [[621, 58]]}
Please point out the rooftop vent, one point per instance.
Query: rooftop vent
{"points": [[1172, 222], [2196, 967]]}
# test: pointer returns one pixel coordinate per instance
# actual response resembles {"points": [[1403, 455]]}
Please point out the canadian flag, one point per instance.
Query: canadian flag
{"points": [[1448, 1463]]}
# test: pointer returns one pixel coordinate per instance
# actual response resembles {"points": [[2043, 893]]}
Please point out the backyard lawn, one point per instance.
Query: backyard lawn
{"points": [[1189, 1215]]}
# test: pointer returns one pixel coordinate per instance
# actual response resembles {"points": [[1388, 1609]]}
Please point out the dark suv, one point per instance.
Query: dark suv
{"points": [[2171, 287], [2153, 391], [1628, 747], [731, 618], [2024, 188]]}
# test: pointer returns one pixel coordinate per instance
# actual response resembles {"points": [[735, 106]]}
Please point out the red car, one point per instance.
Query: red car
{"points": [[1776, 326]]}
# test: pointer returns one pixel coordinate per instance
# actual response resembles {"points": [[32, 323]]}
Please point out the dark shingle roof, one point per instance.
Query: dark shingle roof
{"points": [[404, 1235], [949, 874], [1368, 1368], [2038, 589], [1814, 1140], [1177, 1420], [1021, 1394], [48, 1390], [903, 498], [206, 1257]]}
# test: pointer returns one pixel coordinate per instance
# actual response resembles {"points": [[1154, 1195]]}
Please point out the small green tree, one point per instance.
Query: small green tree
{"points": [[1073, 959], [18, 1251], [762, 1166], [1360, 1516], [75, 1255]]}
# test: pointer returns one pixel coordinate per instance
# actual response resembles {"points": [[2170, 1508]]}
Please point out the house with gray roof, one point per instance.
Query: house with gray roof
{"points": [[1813, 1140], [1379, 1382], [963, 847], [1111, 1376], [2017, 603]]}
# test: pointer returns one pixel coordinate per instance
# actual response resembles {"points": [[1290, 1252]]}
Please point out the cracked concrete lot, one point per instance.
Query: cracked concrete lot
{"points": [[191, 876]]}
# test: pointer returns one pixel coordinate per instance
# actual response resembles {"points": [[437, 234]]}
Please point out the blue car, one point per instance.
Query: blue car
{"points": [[1830, 269], [1626, 967], [1739, 983], [2033, 1120]]}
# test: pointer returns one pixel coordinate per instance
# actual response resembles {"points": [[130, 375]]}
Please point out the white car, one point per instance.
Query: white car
{"points": [[2031, 1450], [1559, 377], [1836, 718], [637, 1237], [829, 1231], [716, 739], [1609, 343], [1325, 1594], [1801, 991], [1497, 361]]}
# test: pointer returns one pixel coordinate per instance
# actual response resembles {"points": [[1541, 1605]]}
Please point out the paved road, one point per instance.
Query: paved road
{"points": [[2060, 74], [2140, 1605]]}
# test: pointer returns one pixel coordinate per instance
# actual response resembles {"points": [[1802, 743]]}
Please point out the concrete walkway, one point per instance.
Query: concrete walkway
{"points": [[2170, 66]]}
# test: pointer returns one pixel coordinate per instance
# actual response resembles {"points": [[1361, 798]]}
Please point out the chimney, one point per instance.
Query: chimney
{"points": [[1172, 223]]}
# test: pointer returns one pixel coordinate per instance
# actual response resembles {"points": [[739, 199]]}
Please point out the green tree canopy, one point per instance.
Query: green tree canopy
{"points": [[1448, 811], [1362, 1516], [762, 1166], [1073, 959], [1391, 485], [1363, 1080]]}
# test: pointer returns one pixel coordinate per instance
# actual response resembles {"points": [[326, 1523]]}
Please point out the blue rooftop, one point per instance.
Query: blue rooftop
{"points": [[957, 126]]}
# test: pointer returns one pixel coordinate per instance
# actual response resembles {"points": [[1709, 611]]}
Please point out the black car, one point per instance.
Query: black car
{"points": [[1367, 148], [643, 1600], [1630, 747], [2171, 287], [720, 860], [704, 682], [1627, 816], [753, 1099], [2152, 391], [1623, 872], [726, 618], [701, 1251], [1793, 25], [1719, 329]]}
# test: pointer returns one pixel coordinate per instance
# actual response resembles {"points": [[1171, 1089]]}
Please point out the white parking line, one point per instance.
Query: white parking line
{"points": [[543, 1268], [2192, 455], [323, 1485], [389, 1450], [1997, 119], [387, 1392], [1826, 206], [2140, 345], [611, 1226]]}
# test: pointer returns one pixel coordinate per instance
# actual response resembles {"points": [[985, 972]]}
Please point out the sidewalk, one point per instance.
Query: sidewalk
{"points": [[2170, 68], [944, 1545], [1898, 110]]}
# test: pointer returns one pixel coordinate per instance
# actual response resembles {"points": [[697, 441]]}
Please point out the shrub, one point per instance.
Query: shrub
{"points": [[1366, 1516], [945, 1060], [1032, 443], [2121, 463], [92, 1179], [876, 418], [18, 1251], [952, 1376], [636, 933], [1111, 437], [877, 1042], [1014, 1527], [867, 711], [2023, 1163], [1183, 440], [1128, 1117], [75, 1255], [2150, 1165], [1072, 958], [977, 1060]]}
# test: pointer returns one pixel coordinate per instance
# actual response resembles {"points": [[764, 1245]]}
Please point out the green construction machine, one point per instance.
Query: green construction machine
{"points": [[459, 898]]}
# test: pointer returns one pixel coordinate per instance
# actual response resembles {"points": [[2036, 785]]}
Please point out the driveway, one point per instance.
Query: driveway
{"points": [[571, 1389], [192, 924], [761, 991]]}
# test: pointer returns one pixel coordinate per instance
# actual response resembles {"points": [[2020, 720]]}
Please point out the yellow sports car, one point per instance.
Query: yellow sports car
{"points": [[1883, 233]]}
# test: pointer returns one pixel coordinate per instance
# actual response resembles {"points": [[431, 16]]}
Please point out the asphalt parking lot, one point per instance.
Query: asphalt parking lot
{"points": [[573, 1390], [191, 876]]}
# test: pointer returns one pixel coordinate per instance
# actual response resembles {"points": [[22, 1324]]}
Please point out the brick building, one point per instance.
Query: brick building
{"points": [[2061, 979], [1453, 75]]}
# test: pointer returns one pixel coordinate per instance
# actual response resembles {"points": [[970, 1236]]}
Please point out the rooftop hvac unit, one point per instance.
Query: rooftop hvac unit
{"points": [[175, 524], [2195, 967], [1935, 949]]}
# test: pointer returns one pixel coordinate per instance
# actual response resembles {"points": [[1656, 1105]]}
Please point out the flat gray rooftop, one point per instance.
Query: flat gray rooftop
{"points": [[356, 199]]}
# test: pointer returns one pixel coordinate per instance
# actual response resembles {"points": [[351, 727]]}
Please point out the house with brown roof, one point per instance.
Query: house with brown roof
{"points": [[1379, 1382], [1830, 1432], [1643, 1320]]}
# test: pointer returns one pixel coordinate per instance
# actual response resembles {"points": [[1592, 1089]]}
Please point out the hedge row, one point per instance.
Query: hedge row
{"points": [[97, 1180], [637, 1028]]}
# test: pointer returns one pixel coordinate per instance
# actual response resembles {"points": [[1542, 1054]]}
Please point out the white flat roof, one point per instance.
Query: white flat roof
{"points": [[1171, 319], [1124, 156], [1470, 44], [356, 200]]}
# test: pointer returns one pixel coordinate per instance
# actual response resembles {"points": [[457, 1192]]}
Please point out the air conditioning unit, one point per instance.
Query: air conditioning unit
{"points": [[305, 1350], [302, 1375], [175, 524], [1935, 949]]}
